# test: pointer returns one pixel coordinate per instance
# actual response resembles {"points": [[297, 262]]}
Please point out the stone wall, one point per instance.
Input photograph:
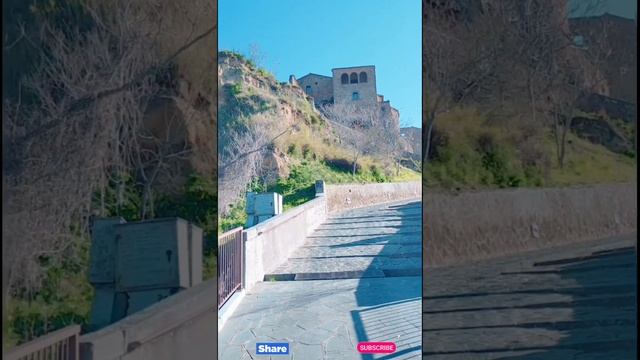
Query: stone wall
{"points": [[321, 87], [614, 108], [620, 37], [342, 92], [181, 326], [269, 244], [389, 115], [600, 131], [349, 196], [475, 225]]}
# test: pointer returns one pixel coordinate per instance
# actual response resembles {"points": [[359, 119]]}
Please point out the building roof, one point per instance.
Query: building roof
{"points": [[353, 67], [606, 15], [309, 74]]}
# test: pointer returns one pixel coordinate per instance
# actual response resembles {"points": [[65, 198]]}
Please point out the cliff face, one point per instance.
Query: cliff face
{"points": [[259, 92], [413, 139], [186, 119], [254, 109], [618, 37]]}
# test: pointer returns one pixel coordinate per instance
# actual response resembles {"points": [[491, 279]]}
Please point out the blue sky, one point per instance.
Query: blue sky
{"points": [[624, 8], [302, 36]]}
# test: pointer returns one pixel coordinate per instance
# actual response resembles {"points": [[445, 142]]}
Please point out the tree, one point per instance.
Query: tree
{"points": [[363, 130], [242, 150], [570, 71], [76, 122], [461, 46], [577, 73]]}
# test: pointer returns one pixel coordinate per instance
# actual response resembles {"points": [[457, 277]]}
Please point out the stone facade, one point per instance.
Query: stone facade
{"points": [[356, 83], [348, 85], [617, 36], [319, 87]]}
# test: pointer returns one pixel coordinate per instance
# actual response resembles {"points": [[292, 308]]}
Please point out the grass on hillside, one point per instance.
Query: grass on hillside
{"points": [[312, 152], [65, 295], [471, 152], [588, 163], [299, 186], [63, 299]]}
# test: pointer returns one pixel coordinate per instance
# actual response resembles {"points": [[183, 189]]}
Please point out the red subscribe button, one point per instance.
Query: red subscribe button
{"points": [[376, 347]]}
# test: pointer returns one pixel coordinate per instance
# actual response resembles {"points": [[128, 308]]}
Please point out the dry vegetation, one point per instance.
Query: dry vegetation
{"points": [[272, 138], [503, 84], [116, 103]]}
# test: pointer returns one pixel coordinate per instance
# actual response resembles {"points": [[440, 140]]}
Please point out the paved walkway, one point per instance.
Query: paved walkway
{"points": [[362, 283], [571, 302]]}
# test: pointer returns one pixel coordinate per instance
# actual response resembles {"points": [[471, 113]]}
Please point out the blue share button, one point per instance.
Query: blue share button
{"points": [[269, 348]]}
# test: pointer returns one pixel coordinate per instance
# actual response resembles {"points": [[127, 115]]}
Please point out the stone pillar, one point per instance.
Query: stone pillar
{"points": [[262, 206], [293, 81], [319, 188]]}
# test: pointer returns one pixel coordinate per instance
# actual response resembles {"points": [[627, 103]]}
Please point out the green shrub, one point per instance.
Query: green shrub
{"points": [[342, 164], [377, 175], [64, 297], [306, 149], [198, 204], [266, 74], [236, 89], [291, 149], [236, 217], [469, 151]]}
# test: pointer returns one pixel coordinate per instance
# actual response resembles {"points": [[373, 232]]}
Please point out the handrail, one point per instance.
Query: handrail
{"points": [[230, 267], [52, 344], [229, 232]]}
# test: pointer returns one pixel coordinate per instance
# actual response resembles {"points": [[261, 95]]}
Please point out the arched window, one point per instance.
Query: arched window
{"points": [[344, 78], [354, 78], [355, 96], [363, 77], [307, 89]]}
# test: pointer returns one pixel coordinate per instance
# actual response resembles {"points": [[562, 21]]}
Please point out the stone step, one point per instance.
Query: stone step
{"points": [[348, 274], [400, 250], [355, 263]]}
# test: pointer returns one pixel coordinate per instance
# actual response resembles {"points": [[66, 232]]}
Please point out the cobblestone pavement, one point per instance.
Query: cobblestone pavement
{"points": [[362, 272], [571, 302]]}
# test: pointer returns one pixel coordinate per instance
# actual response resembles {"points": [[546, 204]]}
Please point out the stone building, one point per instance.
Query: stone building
{"points": [[356, 84], [616, 36]]}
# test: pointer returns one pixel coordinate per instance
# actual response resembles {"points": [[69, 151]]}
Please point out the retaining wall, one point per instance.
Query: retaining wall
{"points": [[269, 244], [349, 196], [476, 225]]}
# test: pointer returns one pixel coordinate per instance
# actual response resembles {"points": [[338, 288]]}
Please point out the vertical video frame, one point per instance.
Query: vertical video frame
{"points": [[319, 180]]}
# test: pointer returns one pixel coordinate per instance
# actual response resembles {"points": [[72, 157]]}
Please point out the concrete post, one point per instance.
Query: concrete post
{"points": [[319, 188]]}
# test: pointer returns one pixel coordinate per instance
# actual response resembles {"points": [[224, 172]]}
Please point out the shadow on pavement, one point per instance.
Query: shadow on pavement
{"points": [[393, 306], [604, 323], [576, 308]]}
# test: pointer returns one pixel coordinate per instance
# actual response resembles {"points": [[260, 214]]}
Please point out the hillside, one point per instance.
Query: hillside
{"points": [[469, 151], [288, 143], [114, 131]]}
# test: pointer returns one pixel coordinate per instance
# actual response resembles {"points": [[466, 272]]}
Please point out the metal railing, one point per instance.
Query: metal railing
{"points": [[59, 345], [229, 264]]}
